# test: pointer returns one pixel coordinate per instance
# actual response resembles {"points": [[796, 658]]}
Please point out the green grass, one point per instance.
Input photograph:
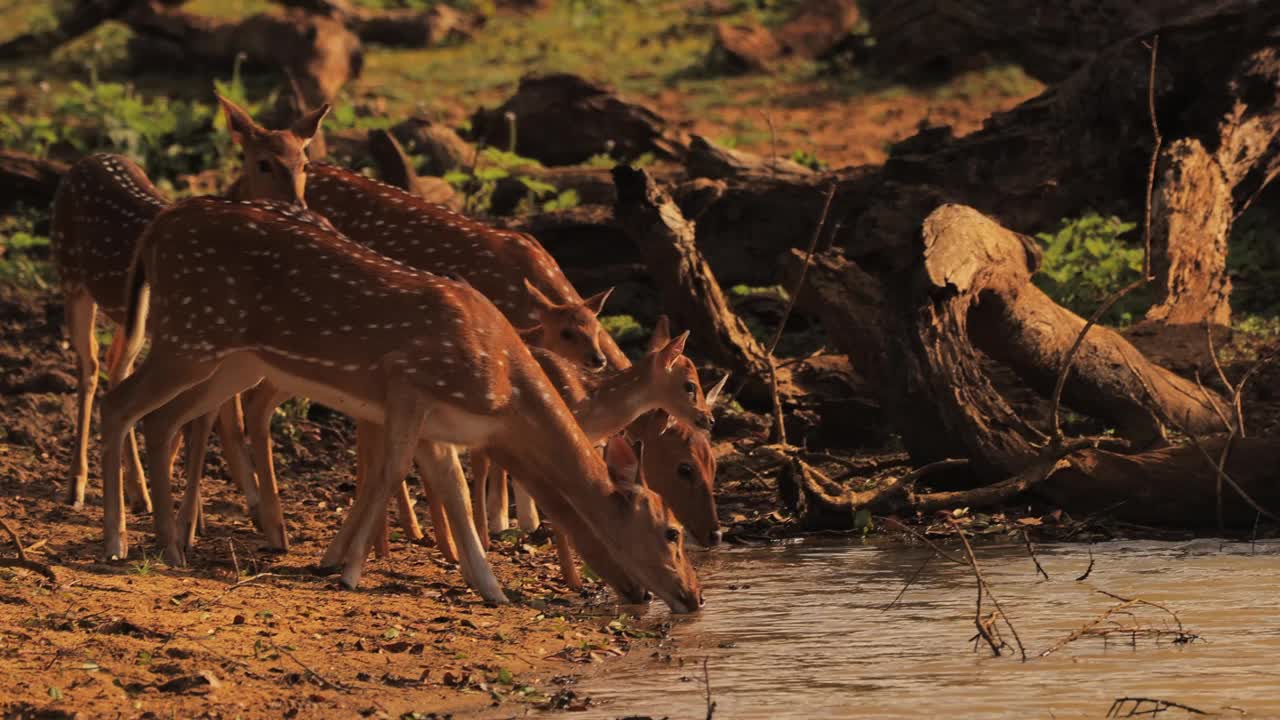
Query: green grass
{"points": [[24, 254]]}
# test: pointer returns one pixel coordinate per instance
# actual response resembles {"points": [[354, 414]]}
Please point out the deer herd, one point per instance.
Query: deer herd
{"points": [[432, 330]]}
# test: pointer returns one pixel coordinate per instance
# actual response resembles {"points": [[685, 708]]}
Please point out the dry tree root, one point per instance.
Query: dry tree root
{"points": [[1142, 707]]}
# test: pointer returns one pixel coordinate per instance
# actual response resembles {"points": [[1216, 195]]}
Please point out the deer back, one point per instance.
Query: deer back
{"points": [[100, 210], [431, 237], [279, 280]]}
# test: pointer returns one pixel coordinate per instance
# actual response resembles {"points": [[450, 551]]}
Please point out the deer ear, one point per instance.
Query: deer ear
{"points": [[306, 127], [595, 303], [714, 393], [624, 466], [672, 351], [661, 333], [239, 123], [542, 302]]}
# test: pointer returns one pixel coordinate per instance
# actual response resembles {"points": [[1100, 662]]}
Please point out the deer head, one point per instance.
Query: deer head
{"points": [[672, 382], [571, 330], [668, 572], [275, 161], [678, 461]]}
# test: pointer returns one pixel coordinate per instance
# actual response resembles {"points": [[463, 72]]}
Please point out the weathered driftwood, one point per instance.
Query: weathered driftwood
{"points": [[319, 52], [1048, 40], [27, 179], [972, 293], [563, 119], [1170, 486], [395, 168], [815, 29], [689, 290], [707, 160]]}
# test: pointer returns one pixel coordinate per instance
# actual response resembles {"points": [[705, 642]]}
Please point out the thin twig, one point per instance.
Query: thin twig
{"points": [[910, 581], [235, 563], [773, 145], [323, 680], [1069, 359], [706, 683], [1159, 706], [779, 430], [13, 537], [1026, 538], [983, 587], [1089, 570]]}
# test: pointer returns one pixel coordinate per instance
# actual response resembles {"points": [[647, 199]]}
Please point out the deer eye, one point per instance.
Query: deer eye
{"points": [[685, 470], [264, 166], [567, 334], [690, 388], [673, 534]]}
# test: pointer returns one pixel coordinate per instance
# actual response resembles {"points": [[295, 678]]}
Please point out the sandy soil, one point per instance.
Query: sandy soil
{"points": [[242, 633]]}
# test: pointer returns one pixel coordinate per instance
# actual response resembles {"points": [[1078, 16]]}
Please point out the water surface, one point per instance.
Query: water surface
{"points": [[801, 631]]}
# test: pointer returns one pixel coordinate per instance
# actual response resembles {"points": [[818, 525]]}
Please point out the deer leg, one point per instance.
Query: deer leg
{"points": [[195, 407], [368, 437], [564, 550], [405, 412], [479, 490], [260, 404], [408, 518], [236, 452], [439, 519], [440, 463], [498, 513], [192, 507], [119, 365], [162, 378], [80, 313], [526, 509]]}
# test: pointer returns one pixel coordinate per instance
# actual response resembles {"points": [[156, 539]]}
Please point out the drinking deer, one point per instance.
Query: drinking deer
{"points": [[99, 212], [428, 358], [605, 404]]}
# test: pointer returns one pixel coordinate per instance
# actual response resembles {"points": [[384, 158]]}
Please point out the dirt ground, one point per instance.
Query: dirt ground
{"points": [[246, 634]]}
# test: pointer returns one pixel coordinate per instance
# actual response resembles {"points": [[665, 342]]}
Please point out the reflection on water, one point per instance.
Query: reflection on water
{"points": [[805, 635]]}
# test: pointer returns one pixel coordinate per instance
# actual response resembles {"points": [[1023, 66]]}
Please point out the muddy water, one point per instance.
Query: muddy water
{"points": [[805, 635]]}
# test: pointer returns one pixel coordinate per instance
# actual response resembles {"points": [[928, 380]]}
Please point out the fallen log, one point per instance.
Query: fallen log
{"points": [[1165, 487], [28, 180], [563, 119], [707, 160], [318, 52], [815, 29], [80, 18], [973, 293], [689, 290], [1048, 40], [398, 27]]}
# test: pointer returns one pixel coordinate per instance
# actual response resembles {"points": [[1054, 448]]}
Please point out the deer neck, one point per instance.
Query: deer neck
{"points": [[614, 402], [543, 444]]}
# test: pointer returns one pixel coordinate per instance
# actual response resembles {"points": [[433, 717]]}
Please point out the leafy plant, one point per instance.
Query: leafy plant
{"points": [[807, 159], [623, 328], [478, 184], [1086, 260], [24, 254]]}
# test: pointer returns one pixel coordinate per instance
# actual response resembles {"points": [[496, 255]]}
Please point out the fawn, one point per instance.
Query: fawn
{"points": [[429, 359], [100, 210]]}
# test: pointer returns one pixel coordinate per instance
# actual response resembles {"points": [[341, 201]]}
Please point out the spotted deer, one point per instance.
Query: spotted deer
{"points": [[100, 210], [428, 358], [605, 404], [512, 269], [678, 460]]}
